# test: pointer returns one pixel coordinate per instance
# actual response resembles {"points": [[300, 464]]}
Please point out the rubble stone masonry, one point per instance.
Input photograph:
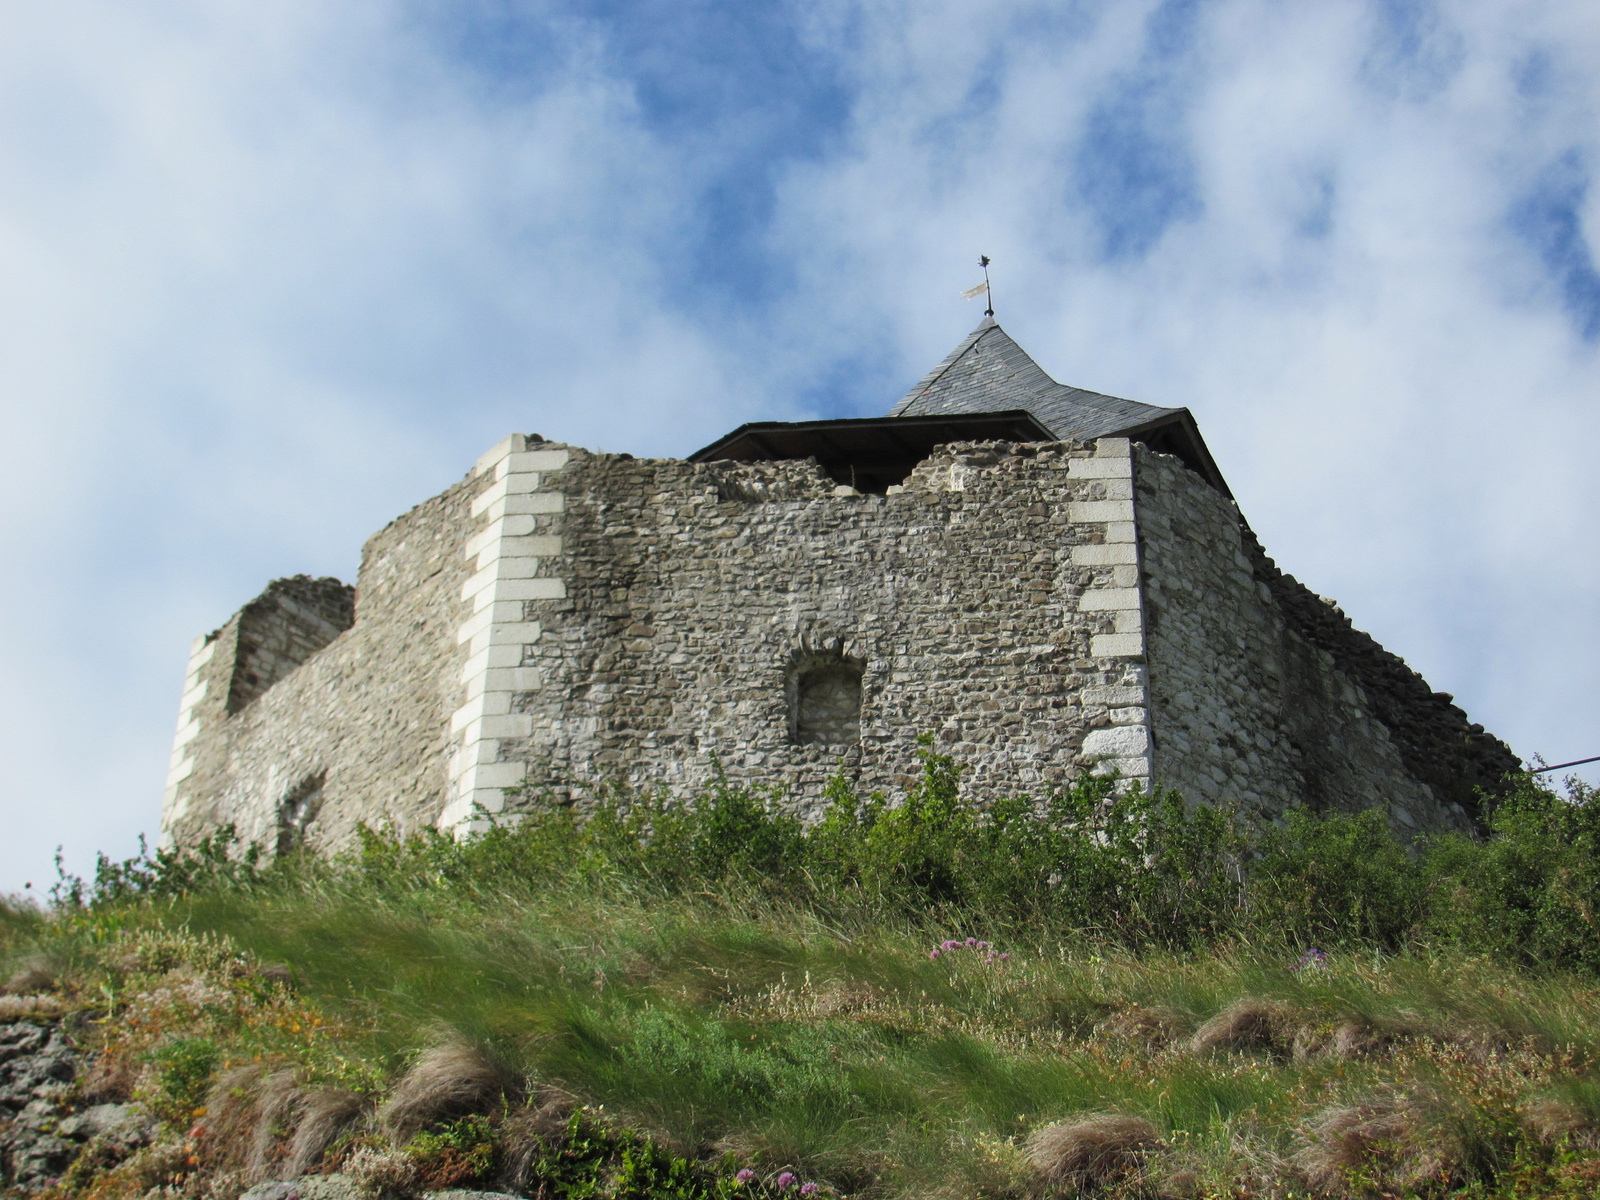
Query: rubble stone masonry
{"points": [[561, 618]]}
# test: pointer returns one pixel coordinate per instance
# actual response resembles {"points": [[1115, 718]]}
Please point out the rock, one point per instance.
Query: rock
{"points": [[39, 1160], [39, 1135], [325, 1187], [272, 1190]]}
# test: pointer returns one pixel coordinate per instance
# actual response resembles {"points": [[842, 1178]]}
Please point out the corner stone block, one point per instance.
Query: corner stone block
{"points": [[1119, 741], [511, 444], [1112, 554], [1108, 599], [484, 704], [543, 546], [530, 504], [1132, 770], [1100, 468], [498, 775], [1116, 645], [520, 566], [1113, 447], [491, 495], [531, 460], [1100, 510], [515, 526], [544, 588]]}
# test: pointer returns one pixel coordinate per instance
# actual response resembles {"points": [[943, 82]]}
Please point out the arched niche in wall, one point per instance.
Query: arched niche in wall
{"points": [[297, 810], [824, 693]]}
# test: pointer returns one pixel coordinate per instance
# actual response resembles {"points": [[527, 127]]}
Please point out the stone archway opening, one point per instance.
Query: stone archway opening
{"points": [[824, 693]]}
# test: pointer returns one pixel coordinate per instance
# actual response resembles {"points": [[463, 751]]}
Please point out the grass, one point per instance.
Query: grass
{"points": [[532, 1013]]}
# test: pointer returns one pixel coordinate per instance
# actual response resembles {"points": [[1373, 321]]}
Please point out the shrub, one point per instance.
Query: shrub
{"points": [[1334, 879], [184, 1067], [1528, 891], [1095, 859]]}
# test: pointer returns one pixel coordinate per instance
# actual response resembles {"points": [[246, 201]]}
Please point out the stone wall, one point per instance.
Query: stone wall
{"points": [[284, 626], [1258, 693], [560, 619], [356, 731], [1438, 743], [990, 600]]}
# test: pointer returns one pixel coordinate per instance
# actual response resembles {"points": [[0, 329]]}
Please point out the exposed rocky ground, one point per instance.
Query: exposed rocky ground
{"points": [[52, 1120], [48, 1120]]}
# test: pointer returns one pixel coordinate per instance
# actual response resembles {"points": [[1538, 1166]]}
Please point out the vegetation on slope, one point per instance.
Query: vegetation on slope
{"points": [[1096, 994]]}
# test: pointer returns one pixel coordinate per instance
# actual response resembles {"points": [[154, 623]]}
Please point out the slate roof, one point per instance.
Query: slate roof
{"points": [[988, 372]]}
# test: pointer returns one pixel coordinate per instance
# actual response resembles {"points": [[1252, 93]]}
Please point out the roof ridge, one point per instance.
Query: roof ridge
{"points": [[926, 383]]}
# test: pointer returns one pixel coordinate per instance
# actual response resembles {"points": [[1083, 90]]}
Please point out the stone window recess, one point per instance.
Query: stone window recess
{"points": [[298, 810], [824, 694]]}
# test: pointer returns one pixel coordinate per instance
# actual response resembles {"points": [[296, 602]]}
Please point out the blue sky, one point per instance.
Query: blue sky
{"points": [[273, 273]]}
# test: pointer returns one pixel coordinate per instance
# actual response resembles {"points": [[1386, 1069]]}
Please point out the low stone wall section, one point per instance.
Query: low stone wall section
{"points": [[1261, 693], [1440, 745], [363, 722]]}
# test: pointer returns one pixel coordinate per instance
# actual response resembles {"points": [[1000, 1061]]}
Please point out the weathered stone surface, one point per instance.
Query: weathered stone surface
{"points": [[41, 1131], [561, 618], [1258, 697], [368, 714]]}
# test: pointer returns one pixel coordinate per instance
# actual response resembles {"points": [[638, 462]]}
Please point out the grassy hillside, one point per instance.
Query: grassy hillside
{"points": [[1090, 994]]}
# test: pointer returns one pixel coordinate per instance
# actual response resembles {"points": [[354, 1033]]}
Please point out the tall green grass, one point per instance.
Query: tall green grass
{"points": [[731, 982]]}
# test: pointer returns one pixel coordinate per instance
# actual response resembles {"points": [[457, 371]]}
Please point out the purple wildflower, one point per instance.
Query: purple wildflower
{"points": [[950, 944], [744, 1176], [1003, 957], [1310, 960], [810, 1189], [983, 945], [933, 954], [972, 941], [786, 1180]]}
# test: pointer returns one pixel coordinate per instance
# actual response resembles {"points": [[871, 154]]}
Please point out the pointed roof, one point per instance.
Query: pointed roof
{"points": [[988, 372]]}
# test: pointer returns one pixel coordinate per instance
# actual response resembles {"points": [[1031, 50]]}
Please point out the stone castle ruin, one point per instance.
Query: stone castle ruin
{"points": [[1049, 580]]}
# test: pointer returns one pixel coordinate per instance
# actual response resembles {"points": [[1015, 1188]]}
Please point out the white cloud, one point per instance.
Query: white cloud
{"points": [[1395, 391]]}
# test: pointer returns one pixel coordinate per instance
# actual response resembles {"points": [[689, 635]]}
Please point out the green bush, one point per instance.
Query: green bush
{"points": [[184, 1067], [1529, 890], [1095, 860], [1334, 879]]}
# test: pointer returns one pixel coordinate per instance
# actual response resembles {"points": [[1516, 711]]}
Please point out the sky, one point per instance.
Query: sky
{"points": [[273, 272]]}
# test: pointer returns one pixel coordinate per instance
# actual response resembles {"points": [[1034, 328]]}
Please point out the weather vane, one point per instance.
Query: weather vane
{"points": [[988, 296]]}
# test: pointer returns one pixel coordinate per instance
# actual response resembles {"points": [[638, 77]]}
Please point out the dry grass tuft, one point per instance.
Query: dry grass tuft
{"points": [[325, 1114], [384, 1174], [1391, 1142], [250, 1111], [1553, 1118], [277, 1103], [111, 1077], [24, 1008], [1357, 1039], [1248, 1023], [1153, 1028], [448, 1081], [530, 1130], [228, 1128], [1092, 1151], [30, 980]]}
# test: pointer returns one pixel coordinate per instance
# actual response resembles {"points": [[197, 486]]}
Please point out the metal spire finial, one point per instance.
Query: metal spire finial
{"points": [[988, 295]]}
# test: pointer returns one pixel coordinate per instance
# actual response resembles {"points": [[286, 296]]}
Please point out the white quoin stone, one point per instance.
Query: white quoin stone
{"points": [[1117, 741]]}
